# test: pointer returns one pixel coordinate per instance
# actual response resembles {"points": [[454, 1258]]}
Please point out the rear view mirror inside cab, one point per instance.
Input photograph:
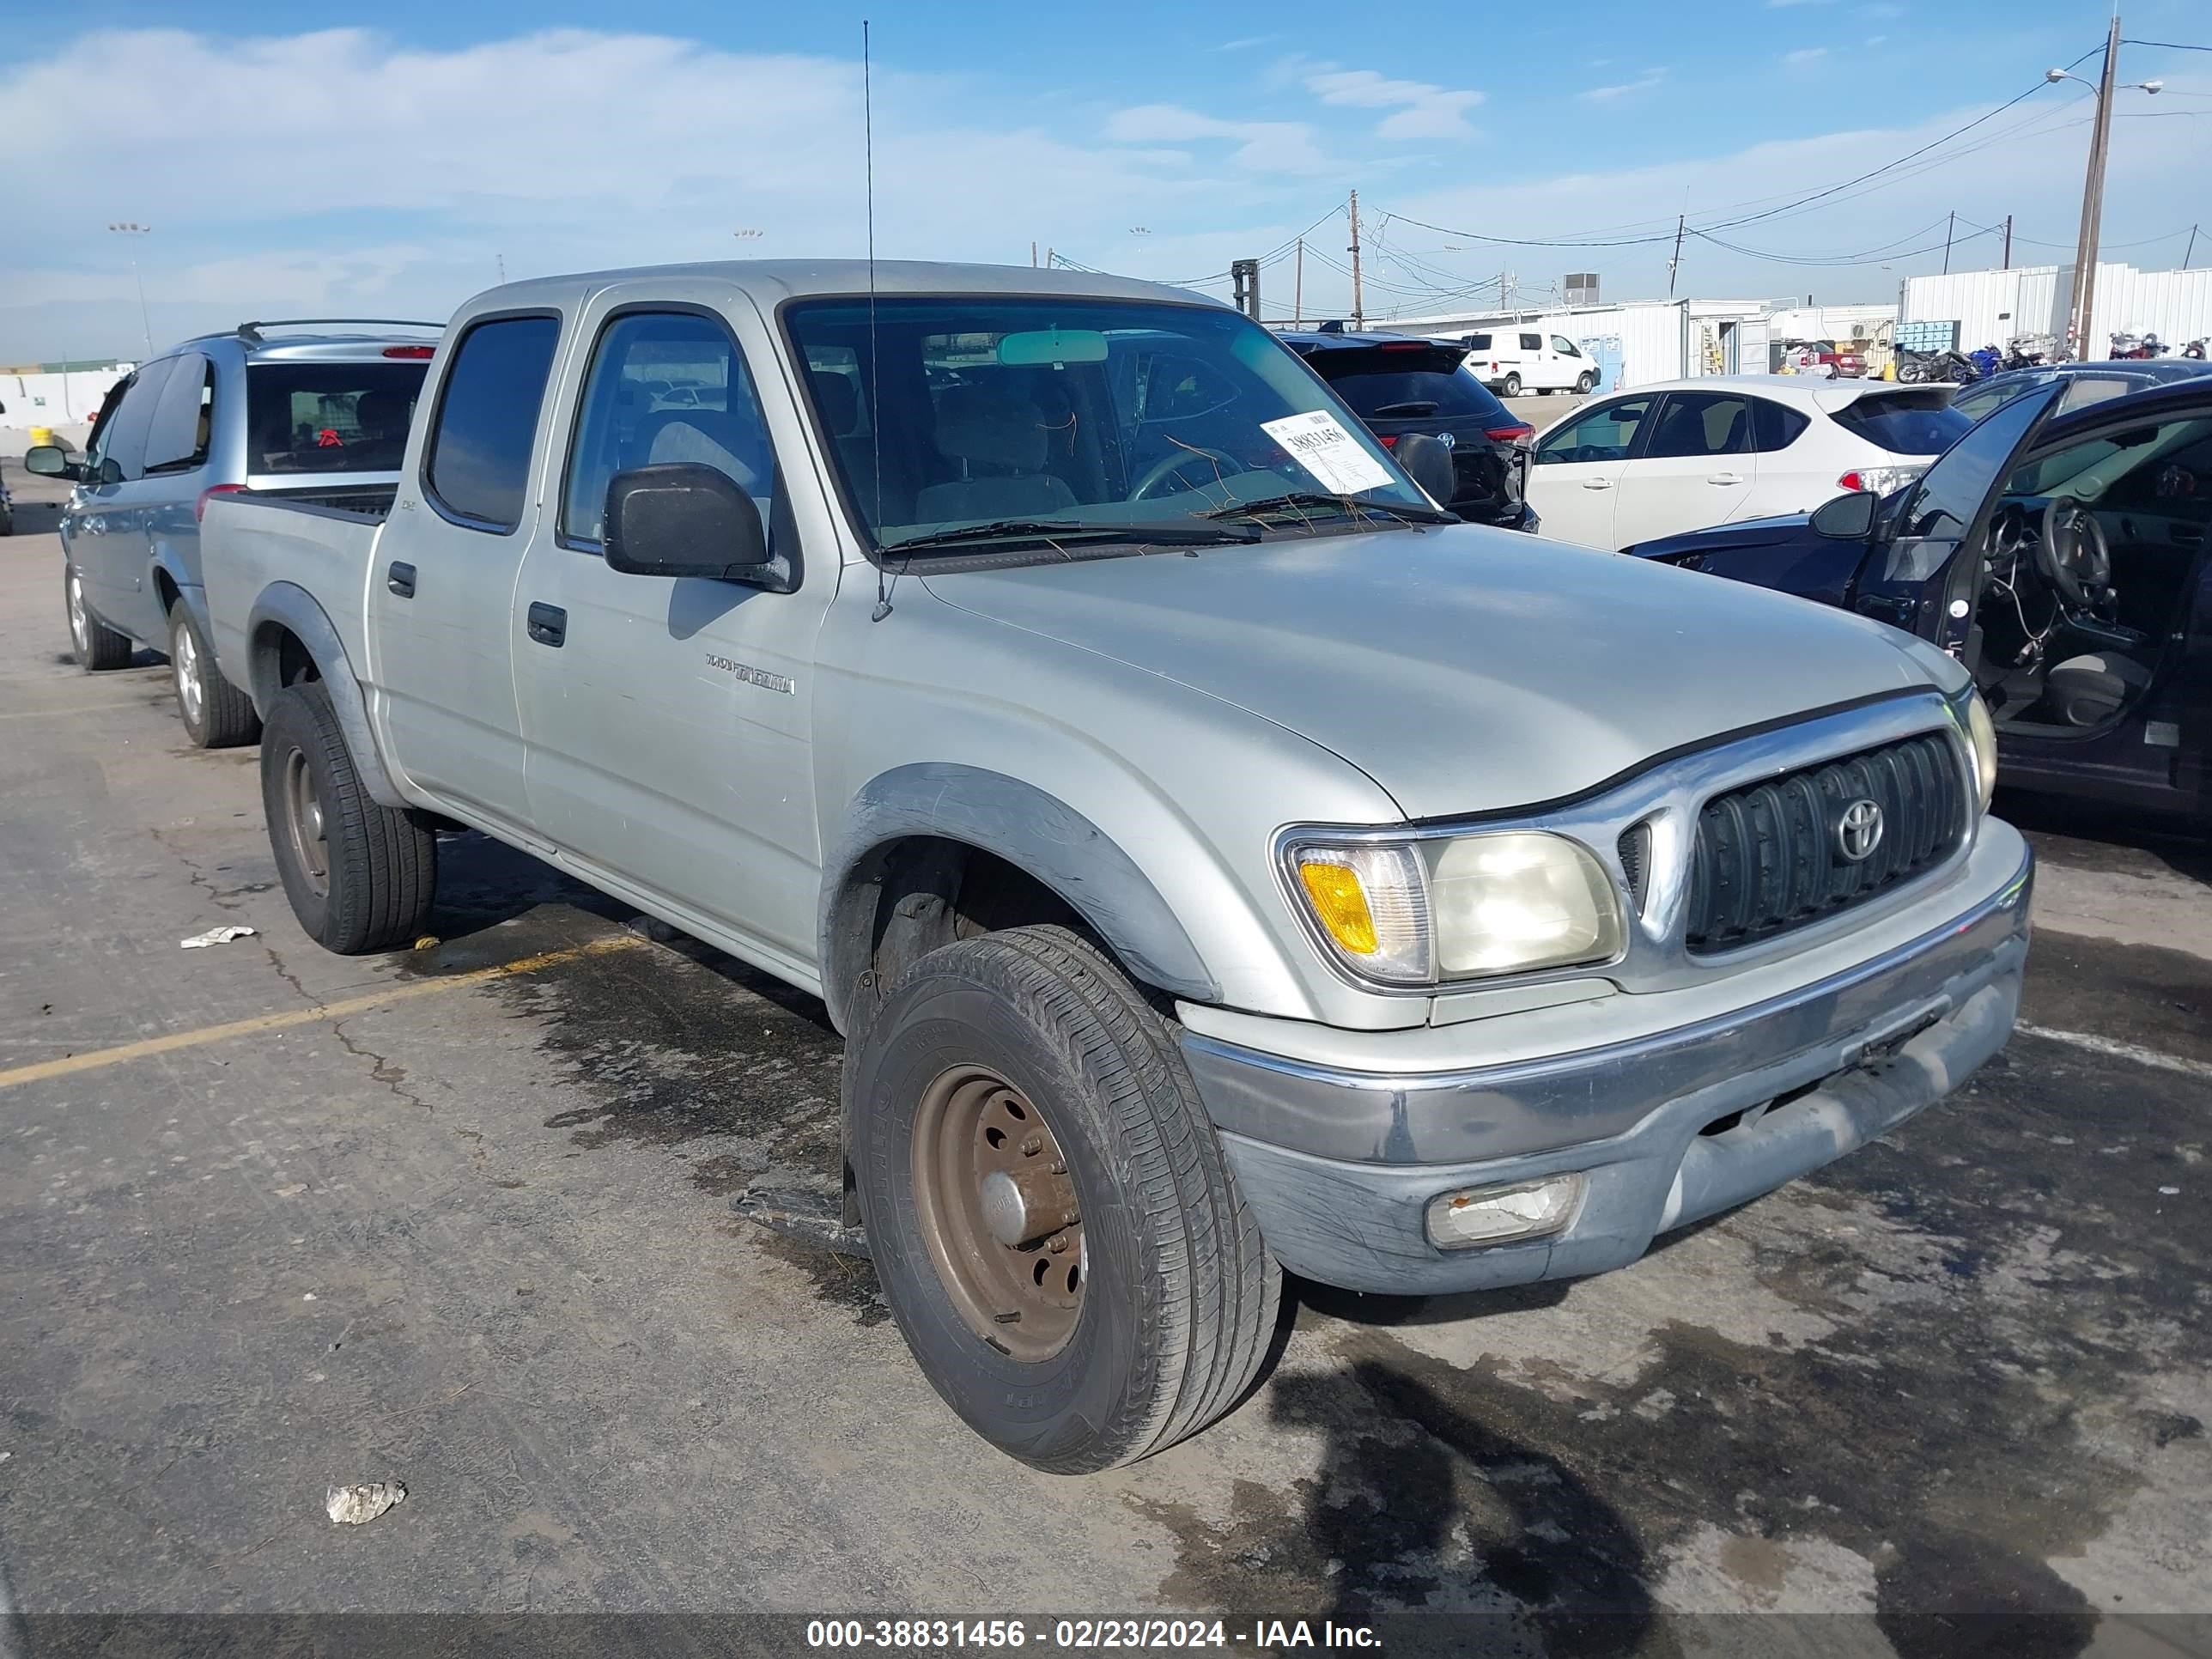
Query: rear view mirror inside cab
{"points": [[1055, 346]]}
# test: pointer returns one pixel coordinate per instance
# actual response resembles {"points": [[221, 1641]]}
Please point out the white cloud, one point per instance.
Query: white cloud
{"points": [[1244, 44], [1262, 146], [1644, 83], [1804, 55], [1783, 5], [1423, 110]]}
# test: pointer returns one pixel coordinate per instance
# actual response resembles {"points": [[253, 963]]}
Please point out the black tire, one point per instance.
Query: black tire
{"points": [[216, 714], [1180, 1294], [7, 520], [1512, 386], [98, 646], [1586, 384], [367, 882]]}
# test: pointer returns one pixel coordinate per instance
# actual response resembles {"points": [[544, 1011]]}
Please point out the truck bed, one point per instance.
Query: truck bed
{"points": [[322, 540]]}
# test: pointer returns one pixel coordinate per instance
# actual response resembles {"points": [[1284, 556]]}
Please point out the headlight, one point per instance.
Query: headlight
{"points": [[1982, 735], [1412, 913]]}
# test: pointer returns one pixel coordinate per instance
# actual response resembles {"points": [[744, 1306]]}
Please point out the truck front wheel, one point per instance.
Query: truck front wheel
{"points": [[361, 876], [1057, 1233]]}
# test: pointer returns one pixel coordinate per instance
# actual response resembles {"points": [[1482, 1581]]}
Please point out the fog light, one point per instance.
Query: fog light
{"points": [[1496, 1215]]}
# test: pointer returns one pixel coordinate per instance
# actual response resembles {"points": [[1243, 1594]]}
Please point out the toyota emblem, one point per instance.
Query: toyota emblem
{"points": [[1859, 832]]}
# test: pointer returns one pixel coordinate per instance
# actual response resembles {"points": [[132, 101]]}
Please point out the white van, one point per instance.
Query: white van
{"points": [[1511, 361]]}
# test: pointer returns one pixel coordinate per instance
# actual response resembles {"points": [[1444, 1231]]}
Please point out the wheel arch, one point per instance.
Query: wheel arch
{"points": [[916, 834], [289, 637]]}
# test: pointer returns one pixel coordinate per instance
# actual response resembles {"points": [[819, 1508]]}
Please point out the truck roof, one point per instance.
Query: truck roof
{"points": [[771, 282]]}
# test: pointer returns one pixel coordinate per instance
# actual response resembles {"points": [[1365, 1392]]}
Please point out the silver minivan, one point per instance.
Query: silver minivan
{"points": [[315, 410]]}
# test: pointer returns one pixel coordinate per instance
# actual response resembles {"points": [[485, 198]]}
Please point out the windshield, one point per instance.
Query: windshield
{"points": [[990, 410], [1917, 422], [1393, 382], [310, 416]]}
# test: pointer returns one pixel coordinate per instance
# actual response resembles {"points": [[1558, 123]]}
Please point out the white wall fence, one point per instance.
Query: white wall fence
{"points": [[55, 399], [1635, 344], [1991, 306]]}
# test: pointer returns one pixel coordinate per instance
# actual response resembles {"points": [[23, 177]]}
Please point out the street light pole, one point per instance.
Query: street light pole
{"points": [[145, 322], [2082, 307]]}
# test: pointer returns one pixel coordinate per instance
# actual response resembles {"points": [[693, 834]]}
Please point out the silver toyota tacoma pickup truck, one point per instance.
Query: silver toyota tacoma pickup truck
{"points": [[1219, 861]]}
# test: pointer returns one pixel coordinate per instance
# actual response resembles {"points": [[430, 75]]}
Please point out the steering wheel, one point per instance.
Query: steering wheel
{"points": [[1173, 461], [2074, 556]]}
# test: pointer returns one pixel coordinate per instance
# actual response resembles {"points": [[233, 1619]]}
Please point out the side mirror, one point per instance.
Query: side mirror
{"points": [[683, 518], [1430, 465], [1846, 518], [51, 461]]}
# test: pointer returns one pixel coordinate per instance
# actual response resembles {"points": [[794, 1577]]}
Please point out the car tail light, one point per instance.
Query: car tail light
{"points": [[1513, 434], [1406, 345], [1879, 479], [1390, 440], [200, 507], [418, 353]]}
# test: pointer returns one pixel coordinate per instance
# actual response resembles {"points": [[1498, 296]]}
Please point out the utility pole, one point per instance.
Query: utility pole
{"points": [[1359, 312], [1674, 264], [1298, 286], [502, 258], [2080, 313], [132, 229], [1033, 253], [1948, 229], [2192, 247], [2008, 253]]}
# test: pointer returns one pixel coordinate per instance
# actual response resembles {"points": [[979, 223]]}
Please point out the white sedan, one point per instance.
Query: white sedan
{"points": [[1690, 455]]}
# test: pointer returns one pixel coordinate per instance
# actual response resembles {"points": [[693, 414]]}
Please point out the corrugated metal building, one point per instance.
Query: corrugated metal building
{"points": [[1991, 307]]}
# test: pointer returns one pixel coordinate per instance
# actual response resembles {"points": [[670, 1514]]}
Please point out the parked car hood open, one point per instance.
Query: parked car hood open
{"points": [[1464, 669]]}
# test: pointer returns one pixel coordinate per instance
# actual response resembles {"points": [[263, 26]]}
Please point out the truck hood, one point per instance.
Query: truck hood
{"points": [[1465, 669]]}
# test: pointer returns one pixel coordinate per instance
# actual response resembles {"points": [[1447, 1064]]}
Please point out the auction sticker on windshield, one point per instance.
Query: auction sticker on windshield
{"points": [[1320, 445]]}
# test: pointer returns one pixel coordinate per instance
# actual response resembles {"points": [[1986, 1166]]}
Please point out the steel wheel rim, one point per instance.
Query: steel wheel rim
{"points": [[80, 632], [303, 819], [986, 1164], [185, 657]]}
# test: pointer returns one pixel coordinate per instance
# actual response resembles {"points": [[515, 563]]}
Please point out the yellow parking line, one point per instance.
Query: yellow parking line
{"points": [[123, 1053]]}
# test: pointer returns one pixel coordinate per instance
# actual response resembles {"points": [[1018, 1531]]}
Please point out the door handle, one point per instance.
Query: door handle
{"points": [[548, 623], [1724, 477], [1597, 483], [400, 579]]}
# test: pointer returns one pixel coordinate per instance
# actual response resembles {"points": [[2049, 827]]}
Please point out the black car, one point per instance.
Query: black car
{"points": [[2085, 383], [2064, 558], [1398, 385]]}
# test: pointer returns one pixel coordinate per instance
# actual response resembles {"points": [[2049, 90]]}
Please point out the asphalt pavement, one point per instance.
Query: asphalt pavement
{"points": [[273, 1220]]}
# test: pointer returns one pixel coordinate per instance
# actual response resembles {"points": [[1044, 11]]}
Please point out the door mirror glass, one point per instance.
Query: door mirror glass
{"points": [[1430, 463], [49, 461], [683, 518], [1847, 518]]}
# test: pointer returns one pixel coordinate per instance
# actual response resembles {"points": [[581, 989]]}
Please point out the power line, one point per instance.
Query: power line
{"points": [[2167, 46]]}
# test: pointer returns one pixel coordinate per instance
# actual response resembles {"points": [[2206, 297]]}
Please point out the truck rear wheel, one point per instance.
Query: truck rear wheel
{"points": [[98, 647], [1057, 1233], [361, 876], [216, 714]]}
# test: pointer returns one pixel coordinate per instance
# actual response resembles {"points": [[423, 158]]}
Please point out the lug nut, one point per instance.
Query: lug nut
{"points": [[1057, 1243], [1032, 1146]]}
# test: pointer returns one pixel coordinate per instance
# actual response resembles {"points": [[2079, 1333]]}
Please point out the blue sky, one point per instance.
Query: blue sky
{"points": [[288, 163]]}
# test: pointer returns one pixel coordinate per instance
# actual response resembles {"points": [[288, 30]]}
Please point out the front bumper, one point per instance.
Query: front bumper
{"points": [[1668, 1128]]}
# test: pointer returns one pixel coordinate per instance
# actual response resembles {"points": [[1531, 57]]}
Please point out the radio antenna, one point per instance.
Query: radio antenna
{"points": [[875, 365]]}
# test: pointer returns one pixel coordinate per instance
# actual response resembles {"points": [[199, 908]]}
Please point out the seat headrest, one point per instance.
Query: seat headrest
{"points": [[838, 399], [977, 424]]}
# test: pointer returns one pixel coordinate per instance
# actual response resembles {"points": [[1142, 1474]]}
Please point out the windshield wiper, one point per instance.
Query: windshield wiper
{"points": [[1299, 500], [1165, 535]]}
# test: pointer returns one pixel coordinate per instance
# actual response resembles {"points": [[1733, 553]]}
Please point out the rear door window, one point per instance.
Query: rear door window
{"points": [[1532, 343], [1775, 426], [1701, 424], [479, 464], [322, 418], [177, 437], [1395, 384], [1477, 342], [1914, 422], [123, 440]]}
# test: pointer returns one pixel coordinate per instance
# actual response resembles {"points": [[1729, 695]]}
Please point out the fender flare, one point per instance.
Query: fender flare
{"points": [[1029, 829], [289, 607]]}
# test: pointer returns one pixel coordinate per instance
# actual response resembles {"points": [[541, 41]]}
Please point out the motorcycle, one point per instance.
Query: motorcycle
{"points": [[1987, 361], [1936, 368], [2134, 347], [2028, 350], [2194, 349]]}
